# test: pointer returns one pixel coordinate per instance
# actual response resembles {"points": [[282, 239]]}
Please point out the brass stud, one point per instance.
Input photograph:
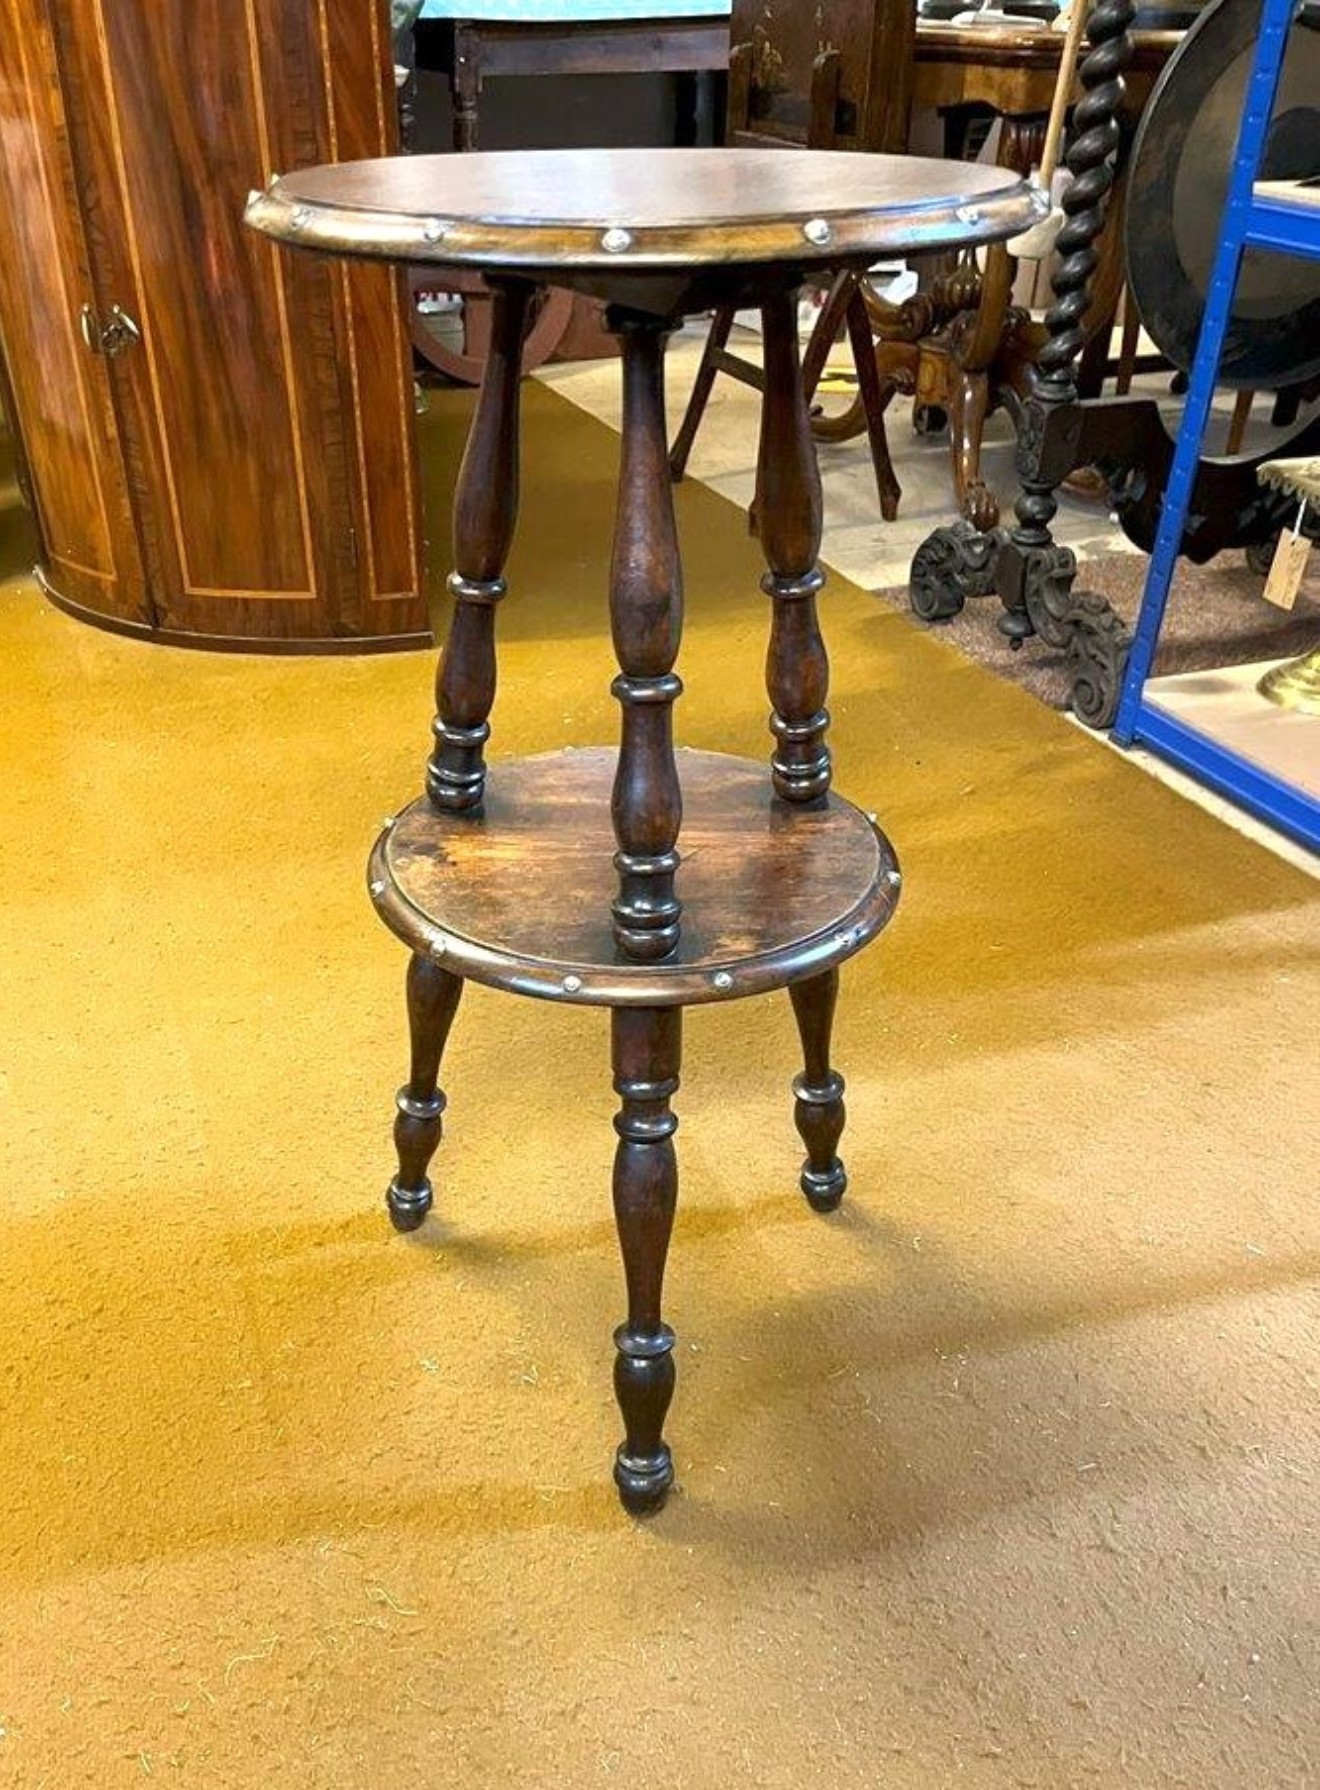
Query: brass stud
{"points": [[572, 984], [300, 218], [893, 877], [389, 821], [969, 214], [723, 981], [433, 230], [817, 231], [377, 888], [616, 241]]}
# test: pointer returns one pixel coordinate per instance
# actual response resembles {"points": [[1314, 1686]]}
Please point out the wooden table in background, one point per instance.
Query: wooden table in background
{"points": [[1011, 73], [469, 49]]}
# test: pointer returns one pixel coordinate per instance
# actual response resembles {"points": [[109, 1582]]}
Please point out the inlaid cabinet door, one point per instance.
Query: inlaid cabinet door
{"points": [[265, 510], [362, 120], [59, 385]]}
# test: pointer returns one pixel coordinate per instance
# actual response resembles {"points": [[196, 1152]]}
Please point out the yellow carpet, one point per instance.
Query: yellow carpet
{"points": [[1004, 1476]]}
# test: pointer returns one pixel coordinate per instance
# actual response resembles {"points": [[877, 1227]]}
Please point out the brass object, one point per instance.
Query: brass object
{"points": [[1295, 684], [1300, 476]]}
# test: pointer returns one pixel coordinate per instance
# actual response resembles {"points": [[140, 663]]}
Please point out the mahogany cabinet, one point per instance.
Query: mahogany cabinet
{"points": [[219, 436]]}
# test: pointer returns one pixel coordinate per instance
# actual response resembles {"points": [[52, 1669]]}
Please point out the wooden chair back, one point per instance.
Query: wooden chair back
{"points": [[824, 74]]}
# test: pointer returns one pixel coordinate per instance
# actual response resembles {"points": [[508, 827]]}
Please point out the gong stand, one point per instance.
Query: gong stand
{"points": [[1059, 432]]}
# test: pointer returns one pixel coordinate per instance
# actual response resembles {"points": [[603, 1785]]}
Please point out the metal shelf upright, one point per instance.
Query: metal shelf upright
{"points": [[1284, 218]]}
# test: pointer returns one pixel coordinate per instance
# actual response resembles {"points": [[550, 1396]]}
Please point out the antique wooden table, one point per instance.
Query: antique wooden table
{"points": [[520, 880]]}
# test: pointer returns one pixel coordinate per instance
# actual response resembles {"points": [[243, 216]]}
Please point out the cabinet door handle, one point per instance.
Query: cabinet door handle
{"points": [[109, 338]]}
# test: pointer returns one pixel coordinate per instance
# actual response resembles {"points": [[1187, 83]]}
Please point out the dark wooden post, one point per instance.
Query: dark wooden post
{"points": [[433, 996], [818, 1093], [789, 514], [647, 1051], [485, 510], [465, 84], [646, 618]]}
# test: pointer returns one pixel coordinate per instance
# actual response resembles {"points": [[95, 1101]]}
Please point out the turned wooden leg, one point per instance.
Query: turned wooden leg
{"points": [[788, 489], [646, 618], [485, 508], [647, 1047], [818, 1092], [433, 996]]}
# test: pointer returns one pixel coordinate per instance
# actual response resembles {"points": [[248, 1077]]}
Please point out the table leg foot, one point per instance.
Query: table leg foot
{"points": [[643, 1385], [646, 1051], [819, 1111], [433, 996]]}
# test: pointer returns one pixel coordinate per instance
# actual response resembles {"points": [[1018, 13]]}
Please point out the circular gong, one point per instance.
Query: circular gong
{"points": [[1178, 186]]}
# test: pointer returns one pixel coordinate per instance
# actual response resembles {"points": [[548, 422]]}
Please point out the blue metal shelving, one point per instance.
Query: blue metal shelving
{"points": [[1256, 216]]}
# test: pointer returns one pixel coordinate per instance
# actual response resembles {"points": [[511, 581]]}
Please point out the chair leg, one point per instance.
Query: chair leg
{"points": [[1127, 345], [721, 324], [875, 396], [826, 331], [1237, 428]]}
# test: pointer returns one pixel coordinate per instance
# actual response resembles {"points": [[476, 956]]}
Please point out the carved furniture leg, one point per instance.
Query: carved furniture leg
{"points": [[818, 1092], [1032, 573], [433, 996], [485, 509], [788, 488], [646, 618], [646, 1049], [1035, 576], [720, 325], [969, 404]]}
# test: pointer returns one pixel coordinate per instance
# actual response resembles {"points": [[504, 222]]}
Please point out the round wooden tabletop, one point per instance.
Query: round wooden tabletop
{"points": [[615, 209], [518, 894]]}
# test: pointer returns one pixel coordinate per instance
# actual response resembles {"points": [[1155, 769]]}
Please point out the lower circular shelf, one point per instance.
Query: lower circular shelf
{"points": [[517, 895]]}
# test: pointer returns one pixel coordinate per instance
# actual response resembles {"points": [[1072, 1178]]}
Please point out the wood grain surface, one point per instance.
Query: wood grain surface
{"points": [[519, 894], [60, 391], [615, 210], [244, 466]]}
